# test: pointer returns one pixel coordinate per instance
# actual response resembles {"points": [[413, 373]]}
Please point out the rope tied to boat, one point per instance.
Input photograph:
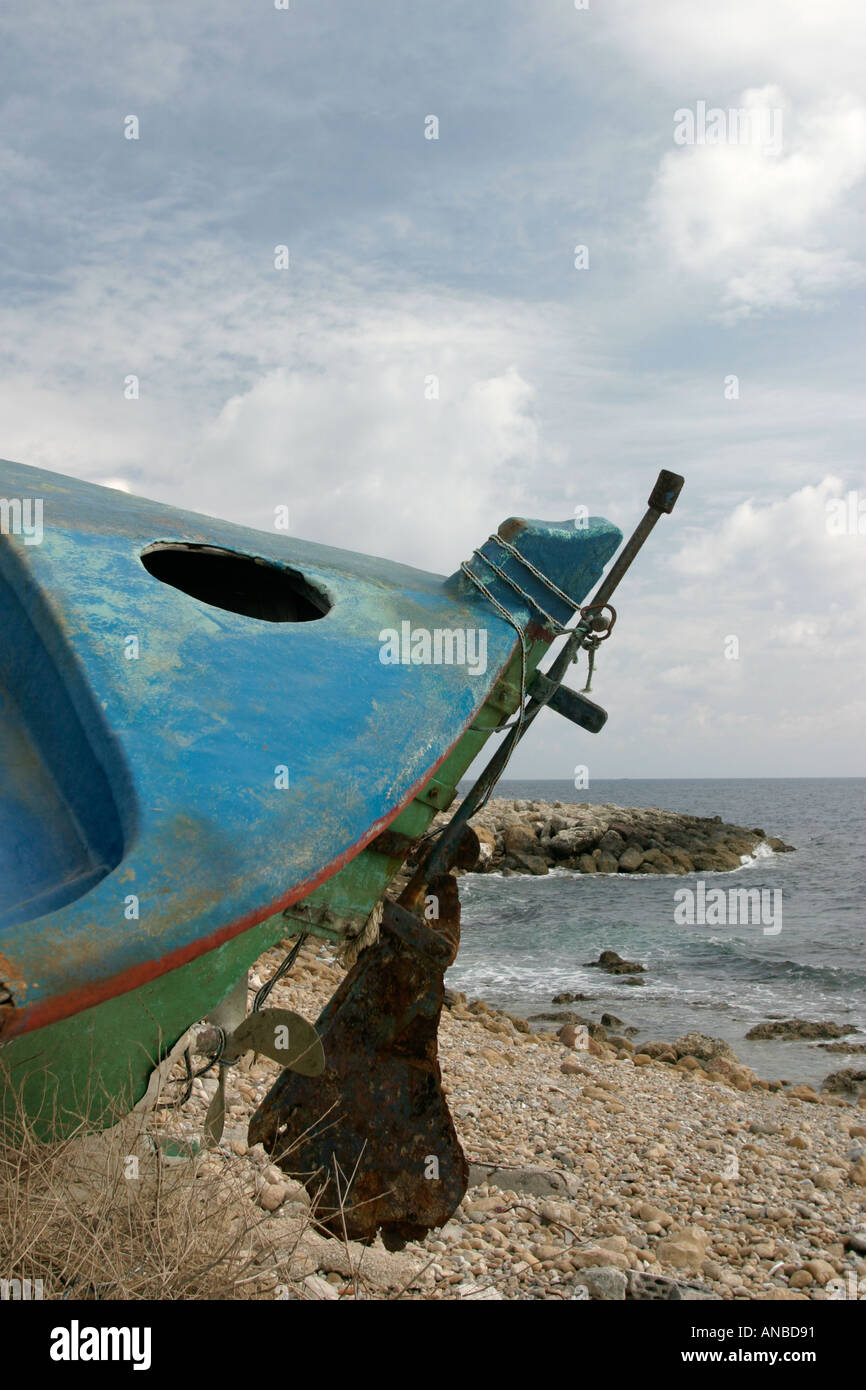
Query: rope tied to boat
{"points": [[589, 640], [556, 627], [351, 947], [536, 573]]}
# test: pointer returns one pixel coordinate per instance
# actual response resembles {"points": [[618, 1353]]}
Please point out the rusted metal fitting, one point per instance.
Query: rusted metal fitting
{"points": [[373, 1135]]}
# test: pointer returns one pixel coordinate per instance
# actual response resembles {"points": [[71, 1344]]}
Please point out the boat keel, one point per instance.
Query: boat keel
{"points": [[373, 1135]]}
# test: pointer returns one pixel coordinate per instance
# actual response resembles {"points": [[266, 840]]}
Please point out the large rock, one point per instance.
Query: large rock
{"points": [[857, 1173], [606, 864], [798, 1030], [715, 861], [806, 1093], [537, 1181], [704, 1048], [519, 839], [659, 1286], [846, 1083], [613, 963], [565, 844], [630, 860], [525, 863], [659, 1051], [375, 1266], [486, 845], [573, 1036]]}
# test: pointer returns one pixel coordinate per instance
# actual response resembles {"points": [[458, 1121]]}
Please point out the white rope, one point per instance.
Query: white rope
{"points": [[351, 947]]}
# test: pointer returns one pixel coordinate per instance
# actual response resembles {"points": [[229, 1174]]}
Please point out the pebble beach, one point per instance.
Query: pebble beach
{"points": [[597, 1173]]}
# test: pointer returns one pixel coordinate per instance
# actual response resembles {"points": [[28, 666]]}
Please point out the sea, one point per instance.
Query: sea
{"points": [[525, 939]]}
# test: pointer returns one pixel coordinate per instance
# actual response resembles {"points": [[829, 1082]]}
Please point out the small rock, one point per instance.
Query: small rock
{"points": [[598, 1257], [685, 1249], [820, 1270], [319, 1288], [546, 1252], [604, 1283], [476, 1293], [805, 1093], [857, 1173], [272, 1196], [647, 1212]]}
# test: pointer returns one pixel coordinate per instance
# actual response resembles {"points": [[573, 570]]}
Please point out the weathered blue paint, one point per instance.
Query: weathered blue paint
{"points": [[155, 776]]}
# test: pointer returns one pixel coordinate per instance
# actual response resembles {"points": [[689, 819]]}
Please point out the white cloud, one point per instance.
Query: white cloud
{"points": [[768, 538], [366, 461], [557, 387], [801, 44], [766, 228]]}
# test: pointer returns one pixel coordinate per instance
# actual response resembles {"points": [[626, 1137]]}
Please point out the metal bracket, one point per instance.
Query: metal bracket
{"points": [[437, 794], [569, 703], [323, 921]]}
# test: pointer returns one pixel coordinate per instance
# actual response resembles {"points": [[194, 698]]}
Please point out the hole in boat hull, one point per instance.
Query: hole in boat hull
{"points": [[236, 583]]}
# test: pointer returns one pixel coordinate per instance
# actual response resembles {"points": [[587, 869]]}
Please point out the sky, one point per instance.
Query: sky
{"points": [[712, 325]]}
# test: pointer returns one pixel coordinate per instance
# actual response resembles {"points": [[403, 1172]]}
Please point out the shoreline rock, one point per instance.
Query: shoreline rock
{"points": [[532, 837], [798, 1030], [613, 963]]}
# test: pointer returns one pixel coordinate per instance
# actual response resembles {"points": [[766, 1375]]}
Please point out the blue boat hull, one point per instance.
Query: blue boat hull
{"points": [[198, 730]]}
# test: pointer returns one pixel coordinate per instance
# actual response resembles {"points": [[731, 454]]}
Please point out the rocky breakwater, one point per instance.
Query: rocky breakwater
{"points": [[532, 837]]}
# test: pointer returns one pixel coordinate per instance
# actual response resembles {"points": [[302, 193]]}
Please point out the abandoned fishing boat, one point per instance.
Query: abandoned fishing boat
{"points": [[213, 738]]}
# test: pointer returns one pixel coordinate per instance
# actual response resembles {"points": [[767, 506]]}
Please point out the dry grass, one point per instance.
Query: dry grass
{"points": [[106, 1216]]}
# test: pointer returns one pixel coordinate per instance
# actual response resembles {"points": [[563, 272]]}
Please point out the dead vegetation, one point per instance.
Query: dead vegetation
{"points": [[109, 1215], [115, 1215]]}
